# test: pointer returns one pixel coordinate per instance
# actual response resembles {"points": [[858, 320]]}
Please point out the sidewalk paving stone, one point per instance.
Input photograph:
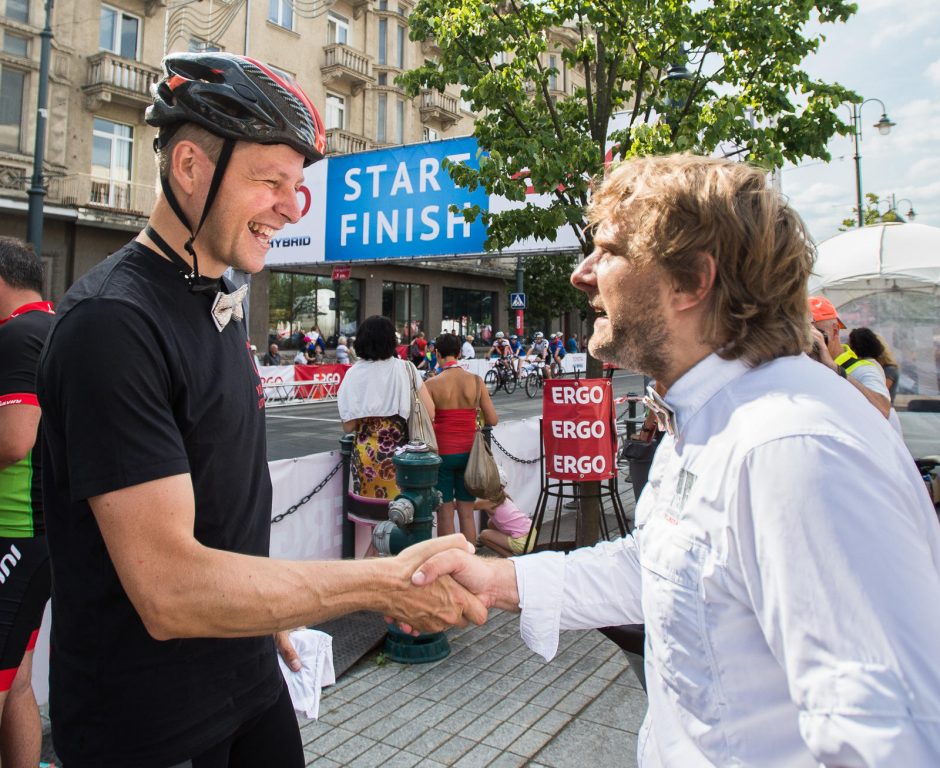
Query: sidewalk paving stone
{"points": [[491, 703]]}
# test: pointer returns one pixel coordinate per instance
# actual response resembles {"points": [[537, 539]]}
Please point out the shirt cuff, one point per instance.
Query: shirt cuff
{"points": [[540, 581]]}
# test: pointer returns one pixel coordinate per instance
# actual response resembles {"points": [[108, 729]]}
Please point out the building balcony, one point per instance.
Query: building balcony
{"points": [[85, 191], [340, 142], [121, 81], [439, 107], [344, 64]]}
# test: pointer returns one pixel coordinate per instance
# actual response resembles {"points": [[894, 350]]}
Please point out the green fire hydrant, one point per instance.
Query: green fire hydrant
{"points": [[410, 520]]}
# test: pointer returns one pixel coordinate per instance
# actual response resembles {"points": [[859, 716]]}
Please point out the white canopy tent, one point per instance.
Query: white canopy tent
{"points": [[884, 257], [887, 277]]}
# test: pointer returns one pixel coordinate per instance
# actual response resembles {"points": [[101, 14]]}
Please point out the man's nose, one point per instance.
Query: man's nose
{"points": [[583, 276], [289, 206]]}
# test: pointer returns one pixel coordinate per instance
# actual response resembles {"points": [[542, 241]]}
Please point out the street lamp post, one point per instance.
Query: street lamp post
{"points": [[37, 190], [911, 213], [884, 126]]}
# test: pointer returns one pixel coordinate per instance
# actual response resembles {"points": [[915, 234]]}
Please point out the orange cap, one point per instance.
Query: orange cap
{"points": [[822, 309]]}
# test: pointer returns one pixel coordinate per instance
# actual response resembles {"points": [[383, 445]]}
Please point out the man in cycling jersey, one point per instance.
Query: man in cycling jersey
{"points": [[24, 587], [501, 352], [556, 348], [157, 492], [516, 351], [539, 348]]}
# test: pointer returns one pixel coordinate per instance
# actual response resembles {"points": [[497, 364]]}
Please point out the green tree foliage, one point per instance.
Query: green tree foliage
{"points": [[871, 214], [745, 92]]}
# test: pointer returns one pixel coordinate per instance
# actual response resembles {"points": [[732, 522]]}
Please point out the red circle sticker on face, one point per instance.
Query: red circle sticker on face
{"points": [[306, 195]]}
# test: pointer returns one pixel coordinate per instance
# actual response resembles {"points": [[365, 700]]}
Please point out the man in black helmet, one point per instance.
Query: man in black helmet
{"points": [[158, 498]]}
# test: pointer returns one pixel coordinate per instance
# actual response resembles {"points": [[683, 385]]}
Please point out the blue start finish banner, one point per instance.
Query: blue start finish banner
{"points": [[396, 203], [391, 203]]}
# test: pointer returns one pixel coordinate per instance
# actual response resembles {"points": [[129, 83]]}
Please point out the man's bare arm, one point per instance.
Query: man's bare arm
{"points": [[18, 425], [181, 588]]}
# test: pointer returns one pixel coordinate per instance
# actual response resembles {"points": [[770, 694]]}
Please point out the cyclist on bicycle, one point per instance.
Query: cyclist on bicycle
{"points": [[501, 352], [516, 351], [556, 348], [539, 348]]}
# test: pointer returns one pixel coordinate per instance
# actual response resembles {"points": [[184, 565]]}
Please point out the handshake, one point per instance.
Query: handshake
{"points": [[443, 584]]}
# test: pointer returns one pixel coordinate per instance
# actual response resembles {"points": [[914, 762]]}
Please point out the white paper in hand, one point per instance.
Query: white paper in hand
{"points": [[315, 650]]}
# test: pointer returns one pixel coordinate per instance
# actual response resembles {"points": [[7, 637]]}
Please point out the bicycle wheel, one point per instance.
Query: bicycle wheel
{"points": [[491, 379], [509, 382], [532, 382], [556, 369]]}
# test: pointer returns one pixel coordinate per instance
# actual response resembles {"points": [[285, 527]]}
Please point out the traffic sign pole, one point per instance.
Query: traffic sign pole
{"points": [[519, 322]]}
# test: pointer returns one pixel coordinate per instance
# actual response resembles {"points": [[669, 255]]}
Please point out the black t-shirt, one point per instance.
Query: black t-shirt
{"points": [[176, 396], [21, 340]]}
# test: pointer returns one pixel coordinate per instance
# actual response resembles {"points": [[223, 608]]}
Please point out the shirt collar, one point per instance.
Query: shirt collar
{"points": [[700, 384], [33, 306]]}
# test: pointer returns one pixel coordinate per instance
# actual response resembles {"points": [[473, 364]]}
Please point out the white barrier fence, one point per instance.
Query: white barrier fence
{"points": [[300, 384], [315, 530]]}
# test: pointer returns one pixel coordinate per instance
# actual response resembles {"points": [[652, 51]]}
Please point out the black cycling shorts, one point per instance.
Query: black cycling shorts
{"points": [[271, 738], [25, 585]]}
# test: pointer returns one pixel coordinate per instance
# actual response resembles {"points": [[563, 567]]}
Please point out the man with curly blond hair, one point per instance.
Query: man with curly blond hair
{"points": [[786, 557]]}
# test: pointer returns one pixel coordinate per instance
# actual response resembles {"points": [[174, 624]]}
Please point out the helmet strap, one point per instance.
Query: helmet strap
{"points": [[224, 156]]}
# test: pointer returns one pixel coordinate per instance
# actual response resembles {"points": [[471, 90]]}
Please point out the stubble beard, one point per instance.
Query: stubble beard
{"points": [[638, 339]]}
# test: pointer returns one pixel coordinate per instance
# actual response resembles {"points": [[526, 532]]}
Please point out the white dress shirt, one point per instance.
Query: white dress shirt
{"points": [[467, 352], [786, 563]]}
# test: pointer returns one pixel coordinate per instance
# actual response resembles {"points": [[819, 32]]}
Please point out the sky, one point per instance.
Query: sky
{"points": [[888, 50]]}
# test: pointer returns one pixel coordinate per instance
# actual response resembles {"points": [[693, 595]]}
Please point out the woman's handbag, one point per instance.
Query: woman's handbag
{"points": [[481, 477], [420, 426]]}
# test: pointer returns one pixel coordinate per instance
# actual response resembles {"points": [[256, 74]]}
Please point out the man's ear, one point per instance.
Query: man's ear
{"points": [[698, 284], [185, 165]]}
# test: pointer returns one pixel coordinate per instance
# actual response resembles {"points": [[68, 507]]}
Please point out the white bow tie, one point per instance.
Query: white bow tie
{"points": [[228, 305], [665, 416]]}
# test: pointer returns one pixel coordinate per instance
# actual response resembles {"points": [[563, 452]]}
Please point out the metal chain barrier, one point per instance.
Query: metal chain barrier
{"points": [[508, 454], [319, 487]]}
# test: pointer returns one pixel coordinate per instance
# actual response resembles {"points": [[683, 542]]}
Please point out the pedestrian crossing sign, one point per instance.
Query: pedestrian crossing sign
{"points": [[517, 301]]}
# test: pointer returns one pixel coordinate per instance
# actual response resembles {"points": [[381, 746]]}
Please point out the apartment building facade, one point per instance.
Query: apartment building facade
{"points": [[100, 175]]}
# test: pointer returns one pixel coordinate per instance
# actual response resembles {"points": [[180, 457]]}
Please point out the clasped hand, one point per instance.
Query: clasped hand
{"points": [[452, 585]]}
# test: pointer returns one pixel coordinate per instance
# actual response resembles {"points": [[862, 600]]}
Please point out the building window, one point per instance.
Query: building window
{"points": [[299, 303], [431, 135], [337, 29], [15, 45], [381, 118], [12, 86], [119, 32], [17, 10], [111, 163], [399, 121], [404, 304], [400, 60], [382, 5], [281, 12], [335, 111], [383, 78], [383, 41], [553, 77], [464, 311], [202, 46]]}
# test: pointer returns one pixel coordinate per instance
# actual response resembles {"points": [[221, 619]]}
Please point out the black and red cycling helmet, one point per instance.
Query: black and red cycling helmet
{"points": [[238, 98]]}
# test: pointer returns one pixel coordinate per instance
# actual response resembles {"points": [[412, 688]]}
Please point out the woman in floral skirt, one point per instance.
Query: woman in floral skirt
{"points": [[375, 403]]}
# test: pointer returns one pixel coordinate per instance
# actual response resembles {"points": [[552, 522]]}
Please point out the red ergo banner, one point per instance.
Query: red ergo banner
{"points": [[578, 429]]}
